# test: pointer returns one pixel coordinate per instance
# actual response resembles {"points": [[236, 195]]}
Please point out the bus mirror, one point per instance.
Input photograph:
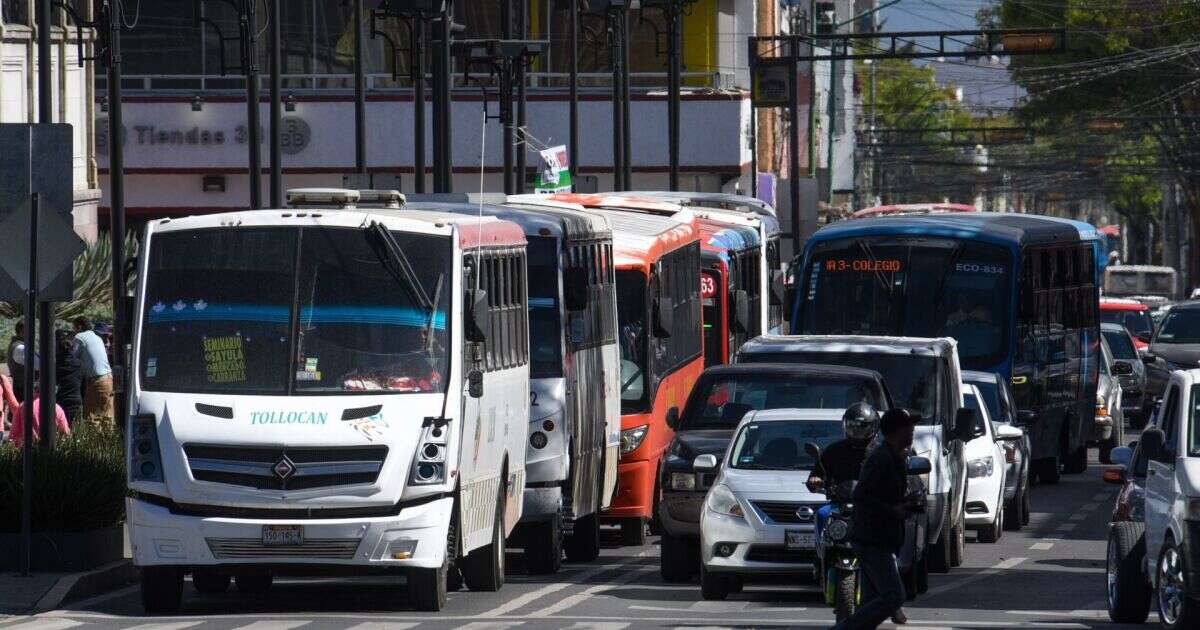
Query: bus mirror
{"points": [[475, 383], [477, 316], [777, 287], [575, 289], [673, 418], [664, 317], [741, 303]]}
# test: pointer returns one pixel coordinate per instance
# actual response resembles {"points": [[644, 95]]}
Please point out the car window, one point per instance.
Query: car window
{"points": [[1121, 345], [1170, 414]]}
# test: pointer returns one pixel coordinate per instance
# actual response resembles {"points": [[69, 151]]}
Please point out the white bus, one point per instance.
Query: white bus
{"points": [[327, 391]]}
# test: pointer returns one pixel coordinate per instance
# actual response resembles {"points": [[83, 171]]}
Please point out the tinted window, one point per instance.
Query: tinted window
{"points": [[991, 397], [720, 402], [912, 380], [1180, 326], [711, 296], [545, 322], [1194, 423], [631, 322], [1120, 345], [913, 287], [779, 445]]}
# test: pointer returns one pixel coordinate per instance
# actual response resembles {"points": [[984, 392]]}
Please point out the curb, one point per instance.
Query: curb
{"points": [[87, 584]]}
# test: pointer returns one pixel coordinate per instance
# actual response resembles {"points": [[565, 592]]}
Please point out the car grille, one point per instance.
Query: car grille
{"points": [[780, 554], [264, 468], [785, 511], [252, 548]]}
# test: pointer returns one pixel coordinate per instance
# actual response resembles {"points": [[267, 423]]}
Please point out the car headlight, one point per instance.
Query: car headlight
{"points": [[632, 438], [837, 529], [721, 500], [683, 481], [982, 467]]}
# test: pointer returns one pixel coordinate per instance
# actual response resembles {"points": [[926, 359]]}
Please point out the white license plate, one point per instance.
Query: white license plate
{"points": [[799, 540], [282, 535]]}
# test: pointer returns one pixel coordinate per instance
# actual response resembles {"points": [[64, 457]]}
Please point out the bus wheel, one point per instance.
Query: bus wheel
{"points": [[427, 587], [583, 545], [162, 590], [633, 532], [483, 569], [544, 546]]}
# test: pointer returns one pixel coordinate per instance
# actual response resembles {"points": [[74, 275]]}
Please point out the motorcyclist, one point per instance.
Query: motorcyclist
{"points": [[843, 459]]}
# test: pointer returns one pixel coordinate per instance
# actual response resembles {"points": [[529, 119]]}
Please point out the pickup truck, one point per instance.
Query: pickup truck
{"points": [[1163, 554]]}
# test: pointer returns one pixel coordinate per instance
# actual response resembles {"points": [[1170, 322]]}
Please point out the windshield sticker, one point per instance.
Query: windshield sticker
{"points": [[308, 376], [151, 367], [371, 427], [225, 359], [310, 364], [288, 417]]}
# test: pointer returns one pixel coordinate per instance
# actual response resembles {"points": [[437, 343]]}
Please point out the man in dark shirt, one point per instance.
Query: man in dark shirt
{"points": [[69, 377], [843, 460], [877, 533]]}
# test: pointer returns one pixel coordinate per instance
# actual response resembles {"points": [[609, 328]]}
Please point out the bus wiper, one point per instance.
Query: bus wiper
{"points": [[394, 260]]}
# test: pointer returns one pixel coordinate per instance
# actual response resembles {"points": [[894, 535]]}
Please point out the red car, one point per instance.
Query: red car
{"points": [[1131, 314]]}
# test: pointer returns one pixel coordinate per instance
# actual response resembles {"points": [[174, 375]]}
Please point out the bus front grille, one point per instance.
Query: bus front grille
{"points": [[253, 548], [275, 468]]}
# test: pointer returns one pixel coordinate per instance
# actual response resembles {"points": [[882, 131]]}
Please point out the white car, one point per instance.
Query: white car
{"points": [[986, 469], [759, 516]]}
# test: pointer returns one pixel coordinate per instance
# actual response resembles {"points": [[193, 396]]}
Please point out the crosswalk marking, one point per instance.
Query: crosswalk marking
{"points": [[45, 624], [598, 625], [178, 625], [1042, 546], [380, 625], [274, 625], [578, 598], [491, 625], [549, 589]]}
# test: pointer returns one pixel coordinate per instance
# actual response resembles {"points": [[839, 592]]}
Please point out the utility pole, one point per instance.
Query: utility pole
{"points": [[443, 151], [417, 30], [276, 109], [616, 11], [522, 120], [673, 12], [46, 309], [573, 147], [506, 132], [360, 96], [626, 119], [248, 22]]}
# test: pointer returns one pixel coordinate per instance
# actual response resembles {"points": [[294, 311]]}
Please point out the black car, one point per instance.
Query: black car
{"points": [[721, 397], [1175, 345]]}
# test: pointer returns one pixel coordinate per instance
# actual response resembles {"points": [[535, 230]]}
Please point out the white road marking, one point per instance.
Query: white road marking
{"points": [[579, 598], [382, 625], [598, 625], [986, 573], [38, 623], [703, 606], [274, 625], [1066, 527], [1042, 546], [178, 625], [550, 589], [490, 625]]}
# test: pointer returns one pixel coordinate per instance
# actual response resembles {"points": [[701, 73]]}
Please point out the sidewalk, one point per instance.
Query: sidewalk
{"points": [[47, 591]]}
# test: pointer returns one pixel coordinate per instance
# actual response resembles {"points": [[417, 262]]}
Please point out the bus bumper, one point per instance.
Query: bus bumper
{"points": [[635, 491], [159, 537]]}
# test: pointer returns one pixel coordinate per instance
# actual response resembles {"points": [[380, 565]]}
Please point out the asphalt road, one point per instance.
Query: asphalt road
{"points": [[1049, 575]]}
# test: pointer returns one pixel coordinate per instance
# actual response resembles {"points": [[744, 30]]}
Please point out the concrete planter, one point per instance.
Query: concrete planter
{"points": [[65, 552]]}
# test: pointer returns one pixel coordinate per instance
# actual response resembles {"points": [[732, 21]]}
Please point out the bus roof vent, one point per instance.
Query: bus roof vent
{"points": [[380, 198], [322, 198]]}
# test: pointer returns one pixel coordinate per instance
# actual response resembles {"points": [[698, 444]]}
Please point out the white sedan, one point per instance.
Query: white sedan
{"points": [[986, 469]]}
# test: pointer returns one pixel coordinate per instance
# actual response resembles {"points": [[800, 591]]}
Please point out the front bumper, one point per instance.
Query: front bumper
{"points": [[679, 512], [635, 491], [160, 537], [760, 547], [983, 494]]}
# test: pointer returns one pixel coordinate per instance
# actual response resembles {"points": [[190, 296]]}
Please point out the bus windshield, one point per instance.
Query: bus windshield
{"points": [[631, 322], [915, 287], [545, 322], [291, 311], [720, 402]]}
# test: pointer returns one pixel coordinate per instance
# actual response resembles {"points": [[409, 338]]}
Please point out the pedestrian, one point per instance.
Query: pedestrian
{"points": [[8, 403], [880, 509], [97, 373], [68, 374], [16, 369], [17, 435]]}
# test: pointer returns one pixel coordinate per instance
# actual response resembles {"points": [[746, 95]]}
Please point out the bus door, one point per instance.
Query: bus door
{"points": [[712, 296]]}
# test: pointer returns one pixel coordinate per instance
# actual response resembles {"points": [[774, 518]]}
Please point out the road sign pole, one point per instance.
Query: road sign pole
{"points": [[116, 213], [45, 311], [27, 404]]}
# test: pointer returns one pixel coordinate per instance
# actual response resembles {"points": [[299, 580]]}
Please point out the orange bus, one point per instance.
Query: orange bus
{"points": [[659, 333]]}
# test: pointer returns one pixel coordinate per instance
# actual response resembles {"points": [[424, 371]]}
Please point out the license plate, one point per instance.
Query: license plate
{"points": [[794, 539], [282, 535]]}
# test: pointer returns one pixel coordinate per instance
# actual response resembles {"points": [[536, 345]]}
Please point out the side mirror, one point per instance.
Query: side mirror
{"points": [[664, 317], [575, 289], [918, 466], [1149, 358], [1008, 432], [741, 305], [1152, 443], [1122, 456], [1143, 337], [1122, 368], [776, 286], [673, 418], [477, 316], [967, 425], [705, 463], [1026, 417], [475, 383]]}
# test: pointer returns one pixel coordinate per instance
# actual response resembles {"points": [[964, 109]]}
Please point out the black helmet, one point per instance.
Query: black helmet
{"points": [[861, 422]]}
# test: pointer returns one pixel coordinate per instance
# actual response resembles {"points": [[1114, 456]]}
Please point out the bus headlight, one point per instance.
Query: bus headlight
{"points": [[632, 438], [145, 462], [982, 467], [429, 465]]}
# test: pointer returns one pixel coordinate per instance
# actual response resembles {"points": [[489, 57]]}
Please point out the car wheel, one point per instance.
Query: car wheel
{"points": [[1175, 609], [675, 558], [940, 556], [162, 590], [991, 533], [1049, 470], [210, 583], [1026, 505], [483, 569], [1013, 510], [713, 586], [922, 571], [544, 547], [583, 545], [1128, 589], [633, 532], [958, 544]]}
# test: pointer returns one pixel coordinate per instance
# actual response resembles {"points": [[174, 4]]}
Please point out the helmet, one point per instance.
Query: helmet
{"points": [[861, 422]]}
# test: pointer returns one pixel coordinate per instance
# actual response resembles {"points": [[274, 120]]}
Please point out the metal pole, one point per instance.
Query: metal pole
{"points": [[626, 132], [276, 109], [753, 151], [812, 94], [833, 105], [615, 61], [674, 70], [249, 25], [794, 151], [438, 75], [446, 165], [116, 227], [360, 94], [418, 65], [27, 404], [506, 142], [522, 147], [574, 109], [45, 311]]}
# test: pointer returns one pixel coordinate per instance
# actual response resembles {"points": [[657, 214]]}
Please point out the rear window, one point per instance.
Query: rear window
{"points": [[720, 401]]}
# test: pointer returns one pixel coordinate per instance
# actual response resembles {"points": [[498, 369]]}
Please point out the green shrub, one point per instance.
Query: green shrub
{"points": [[77, 486]]}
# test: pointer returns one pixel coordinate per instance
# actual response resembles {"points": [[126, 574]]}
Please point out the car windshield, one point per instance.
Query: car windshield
{"points": [[779, 445], [631, 321], [1180, 326], [545, 321], [226, 310], [720, 401], [1120, 344], [912, 287], [911, 380], [1136, 322], [991, 397]]}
